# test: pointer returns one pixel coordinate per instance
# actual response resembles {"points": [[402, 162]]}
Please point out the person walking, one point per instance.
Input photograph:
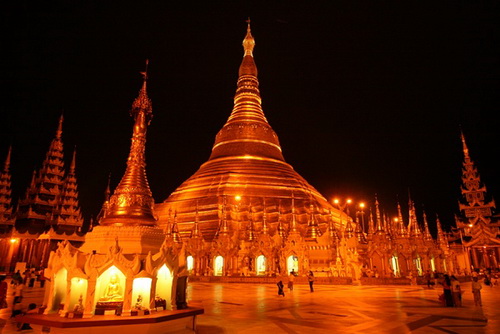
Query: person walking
{"points": [[476, 291], [41, 277], [456, 291], [291, 279], [448, 296], [280, 285], [428, 279], [3, 292], [310, 279]]}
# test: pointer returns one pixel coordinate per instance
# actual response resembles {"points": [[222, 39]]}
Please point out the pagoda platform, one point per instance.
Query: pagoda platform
{"points": [[176, 321]]}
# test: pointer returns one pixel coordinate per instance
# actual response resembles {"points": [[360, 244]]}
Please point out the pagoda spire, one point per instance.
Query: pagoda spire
{"points": [[371, 225], [132, 201], [265, 227], [251, 229], [6, 165], [247, 131], [37, 208], [312, 231], [196, 232], [223, 227], [280, 229], [413, 224], [402, 232], [176, 236], [293, 229], [332, 230], [6, 192], [427, 232], [68, 210], [441, 237], [380, 228]]}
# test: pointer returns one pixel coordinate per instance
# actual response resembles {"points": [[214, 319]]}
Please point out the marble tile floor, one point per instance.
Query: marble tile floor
{"points": [[250, 308]]}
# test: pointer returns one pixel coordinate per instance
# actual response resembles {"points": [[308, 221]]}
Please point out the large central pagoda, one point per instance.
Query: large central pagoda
{"points": [[246, 174]]}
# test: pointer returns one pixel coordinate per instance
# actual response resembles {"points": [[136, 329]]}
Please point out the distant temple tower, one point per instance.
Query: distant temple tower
{"points": [[246, 164], [478, 228]]}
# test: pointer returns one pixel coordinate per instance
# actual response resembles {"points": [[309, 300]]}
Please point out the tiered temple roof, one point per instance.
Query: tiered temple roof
{"points": [[6, 218]]}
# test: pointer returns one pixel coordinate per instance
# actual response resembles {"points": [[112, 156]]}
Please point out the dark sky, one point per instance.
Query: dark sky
{"points": [[366, 97]]}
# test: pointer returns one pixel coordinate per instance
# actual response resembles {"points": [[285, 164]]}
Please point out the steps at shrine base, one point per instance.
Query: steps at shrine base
{"points": [[174, 322]]}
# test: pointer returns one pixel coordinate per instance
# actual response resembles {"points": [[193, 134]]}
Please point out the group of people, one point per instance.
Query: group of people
{"points": [[291, 279], [17, 304]]}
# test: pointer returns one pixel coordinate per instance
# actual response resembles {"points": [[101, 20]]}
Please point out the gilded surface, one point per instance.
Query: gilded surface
{"points": [[247, 161]]}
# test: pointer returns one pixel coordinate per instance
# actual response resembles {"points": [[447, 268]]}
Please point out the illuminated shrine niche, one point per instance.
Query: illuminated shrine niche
{"points": [[190, 263], [218, 266], [433, 264], [78, 289], [377, 263], [164, 286], [395, 265], [60, 285], [110, 286], [141, 287], [292, 263], [403, 267], [418, 264], [261, 265]]}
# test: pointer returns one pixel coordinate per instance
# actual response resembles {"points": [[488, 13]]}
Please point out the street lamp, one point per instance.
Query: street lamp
{"points": [[361, 212], [341, 207]]}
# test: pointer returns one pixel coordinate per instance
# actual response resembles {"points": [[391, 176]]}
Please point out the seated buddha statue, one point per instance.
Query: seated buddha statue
{"points": [[113, 291]]}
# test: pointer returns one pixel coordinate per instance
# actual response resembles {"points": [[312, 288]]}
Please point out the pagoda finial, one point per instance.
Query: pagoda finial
{"points": [[72, 166], [132, 202], [59, 127], [249, 41], [6, 165]]}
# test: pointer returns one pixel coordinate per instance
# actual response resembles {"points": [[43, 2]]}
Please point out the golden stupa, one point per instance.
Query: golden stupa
{"points": [[246, 176]]}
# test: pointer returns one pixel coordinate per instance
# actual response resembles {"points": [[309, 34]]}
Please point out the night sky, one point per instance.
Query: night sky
{"points": [[366, 97]]}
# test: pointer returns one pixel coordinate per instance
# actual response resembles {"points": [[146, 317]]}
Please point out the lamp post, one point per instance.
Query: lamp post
{"points": [[341, 207], [361, 212]]}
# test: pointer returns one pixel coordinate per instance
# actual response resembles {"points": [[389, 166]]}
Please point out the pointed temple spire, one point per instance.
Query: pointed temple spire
{"points": [[413, 223], [132, 201], [427, 232], [380, 228], [6, 193], [402, 232], [441, 236], [251, 228], [36, 210], [247, 130], [196, 232], [68, 210], [176, 237], [312, 231], [371, 225], [332, 230], [246, 154], [293, 229], [280, 229], [223, 227], [265, 226]]}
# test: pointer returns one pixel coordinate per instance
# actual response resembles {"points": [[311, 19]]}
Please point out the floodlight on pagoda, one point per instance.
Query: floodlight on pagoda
{"points": [[237, 198], [13, 240]]}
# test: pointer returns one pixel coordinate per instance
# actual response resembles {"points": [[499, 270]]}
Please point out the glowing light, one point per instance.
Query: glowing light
{"points": [[396, 220], [237, 198], [361, 205], [13, 240], [470, 225]]}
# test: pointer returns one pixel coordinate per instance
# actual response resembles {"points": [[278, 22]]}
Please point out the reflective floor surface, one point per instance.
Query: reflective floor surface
{"points": [[250, 308]]}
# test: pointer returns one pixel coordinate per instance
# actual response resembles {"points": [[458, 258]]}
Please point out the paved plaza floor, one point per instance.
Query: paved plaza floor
{"points": [[252, 308]]}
